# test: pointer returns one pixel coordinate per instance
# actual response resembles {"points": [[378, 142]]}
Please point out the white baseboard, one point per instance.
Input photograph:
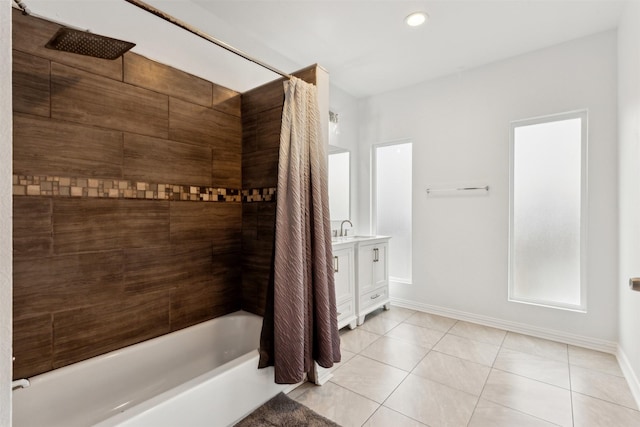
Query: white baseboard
{"points": [[521, 328], [629, 374]]}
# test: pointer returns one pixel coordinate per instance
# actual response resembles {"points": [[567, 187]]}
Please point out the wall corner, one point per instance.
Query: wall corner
{"points": [[5, 213]]}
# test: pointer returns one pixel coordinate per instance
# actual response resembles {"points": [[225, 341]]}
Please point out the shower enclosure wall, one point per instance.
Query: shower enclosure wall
{"points": [[142, 199]]}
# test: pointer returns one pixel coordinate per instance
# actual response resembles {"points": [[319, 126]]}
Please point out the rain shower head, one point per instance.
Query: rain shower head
{"points": [[88, 44]]}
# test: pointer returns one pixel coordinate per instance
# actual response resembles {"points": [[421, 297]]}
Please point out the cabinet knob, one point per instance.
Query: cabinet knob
{"points": [[336, 264], [375, 296]]}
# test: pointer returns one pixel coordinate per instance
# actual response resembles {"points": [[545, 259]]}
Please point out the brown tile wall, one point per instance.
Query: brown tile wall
{"points": [[137, 253], [261, 120], [95, 274]]}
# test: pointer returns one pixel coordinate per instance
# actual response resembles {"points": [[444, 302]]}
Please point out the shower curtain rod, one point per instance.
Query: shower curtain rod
{"points": [[175, 21]]}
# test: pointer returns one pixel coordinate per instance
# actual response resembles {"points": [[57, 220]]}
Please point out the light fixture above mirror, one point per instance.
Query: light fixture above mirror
{"points": [[333, 123]]}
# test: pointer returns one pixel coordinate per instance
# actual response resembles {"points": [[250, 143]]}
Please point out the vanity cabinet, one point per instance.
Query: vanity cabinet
{"points": [[344, 271], [361, 275], [373, 276]]}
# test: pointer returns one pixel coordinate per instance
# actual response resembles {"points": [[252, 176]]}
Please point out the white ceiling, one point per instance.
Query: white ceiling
{"points": [[365, 45]]}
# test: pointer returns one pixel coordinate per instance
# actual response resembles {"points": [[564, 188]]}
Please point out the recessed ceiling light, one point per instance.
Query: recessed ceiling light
{"points": [[416, 19]]}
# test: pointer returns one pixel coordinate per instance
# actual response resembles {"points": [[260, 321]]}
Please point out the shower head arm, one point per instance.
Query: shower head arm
{"points": [[79, 41], [20, 5], [23, 7]]}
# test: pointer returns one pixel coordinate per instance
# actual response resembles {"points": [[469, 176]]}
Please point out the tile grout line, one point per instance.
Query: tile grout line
{"points": [[606, 401], [487, 379], [492, 368], [573, 417], [500, 347], [386, 364], [411, 372]]}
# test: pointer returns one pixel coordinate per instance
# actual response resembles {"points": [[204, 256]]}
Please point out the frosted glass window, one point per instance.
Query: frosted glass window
{"points": [[547, 204], [392, 205]]}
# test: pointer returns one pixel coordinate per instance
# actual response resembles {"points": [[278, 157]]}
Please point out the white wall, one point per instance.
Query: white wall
{"points": [[460, 131], [5, 212], [629, 177]]}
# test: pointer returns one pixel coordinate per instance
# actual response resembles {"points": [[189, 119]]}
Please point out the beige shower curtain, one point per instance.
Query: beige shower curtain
{"points": [[300, 323]]}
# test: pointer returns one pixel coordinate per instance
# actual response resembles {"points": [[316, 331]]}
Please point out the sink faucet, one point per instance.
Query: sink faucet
{"points": [[343, 232]]}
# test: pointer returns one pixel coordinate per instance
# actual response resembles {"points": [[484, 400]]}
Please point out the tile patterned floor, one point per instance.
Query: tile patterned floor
{"points": [[407, 368]]}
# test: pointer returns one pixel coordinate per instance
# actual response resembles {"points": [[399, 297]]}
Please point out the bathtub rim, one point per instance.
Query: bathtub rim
{"points": [[52, 379], [193, 384], [142, 345]]}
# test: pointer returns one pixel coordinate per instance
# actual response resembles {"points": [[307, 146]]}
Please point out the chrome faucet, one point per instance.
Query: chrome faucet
{"points": [[343, 232]]}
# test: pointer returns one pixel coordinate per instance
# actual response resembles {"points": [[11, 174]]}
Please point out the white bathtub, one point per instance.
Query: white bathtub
{"points": [[205, 375]]}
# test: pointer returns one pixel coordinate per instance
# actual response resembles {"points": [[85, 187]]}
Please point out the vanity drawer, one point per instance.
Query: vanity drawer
{"points": [[375, 297]]}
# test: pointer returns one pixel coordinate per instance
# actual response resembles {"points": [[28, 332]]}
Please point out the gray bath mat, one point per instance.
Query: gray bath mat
{"points": [[282, 411]]}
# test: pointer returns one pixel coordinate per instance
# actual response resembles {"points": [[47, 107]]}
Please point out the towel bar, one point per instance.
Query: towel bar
{"points": [[436, 190]]}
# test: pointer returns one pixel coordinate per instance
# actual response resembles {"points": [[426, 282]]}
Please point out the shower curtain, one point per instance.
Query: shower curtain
{"points": [[300, 323]]}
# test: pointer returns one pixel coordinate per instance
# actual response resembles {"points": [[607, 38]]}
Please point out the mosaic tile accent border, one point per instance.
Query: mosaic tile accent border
{"points": [[26, 185], [259, 194]]}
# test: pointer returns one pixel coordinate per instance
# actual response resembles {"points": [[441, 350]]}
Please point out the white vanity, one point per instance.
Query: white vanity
{"points": [[361, 268], [360, 263]]}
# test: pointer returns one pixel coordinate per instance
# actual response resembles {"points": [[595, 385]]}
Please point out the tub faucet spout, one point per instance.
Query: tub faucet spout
{"points": [[343, 232], [21, 383]]}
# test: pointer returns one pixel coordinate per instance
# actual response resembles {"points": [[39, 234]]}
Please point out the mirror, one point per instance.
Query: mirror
{"points": [[339, 183]]}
